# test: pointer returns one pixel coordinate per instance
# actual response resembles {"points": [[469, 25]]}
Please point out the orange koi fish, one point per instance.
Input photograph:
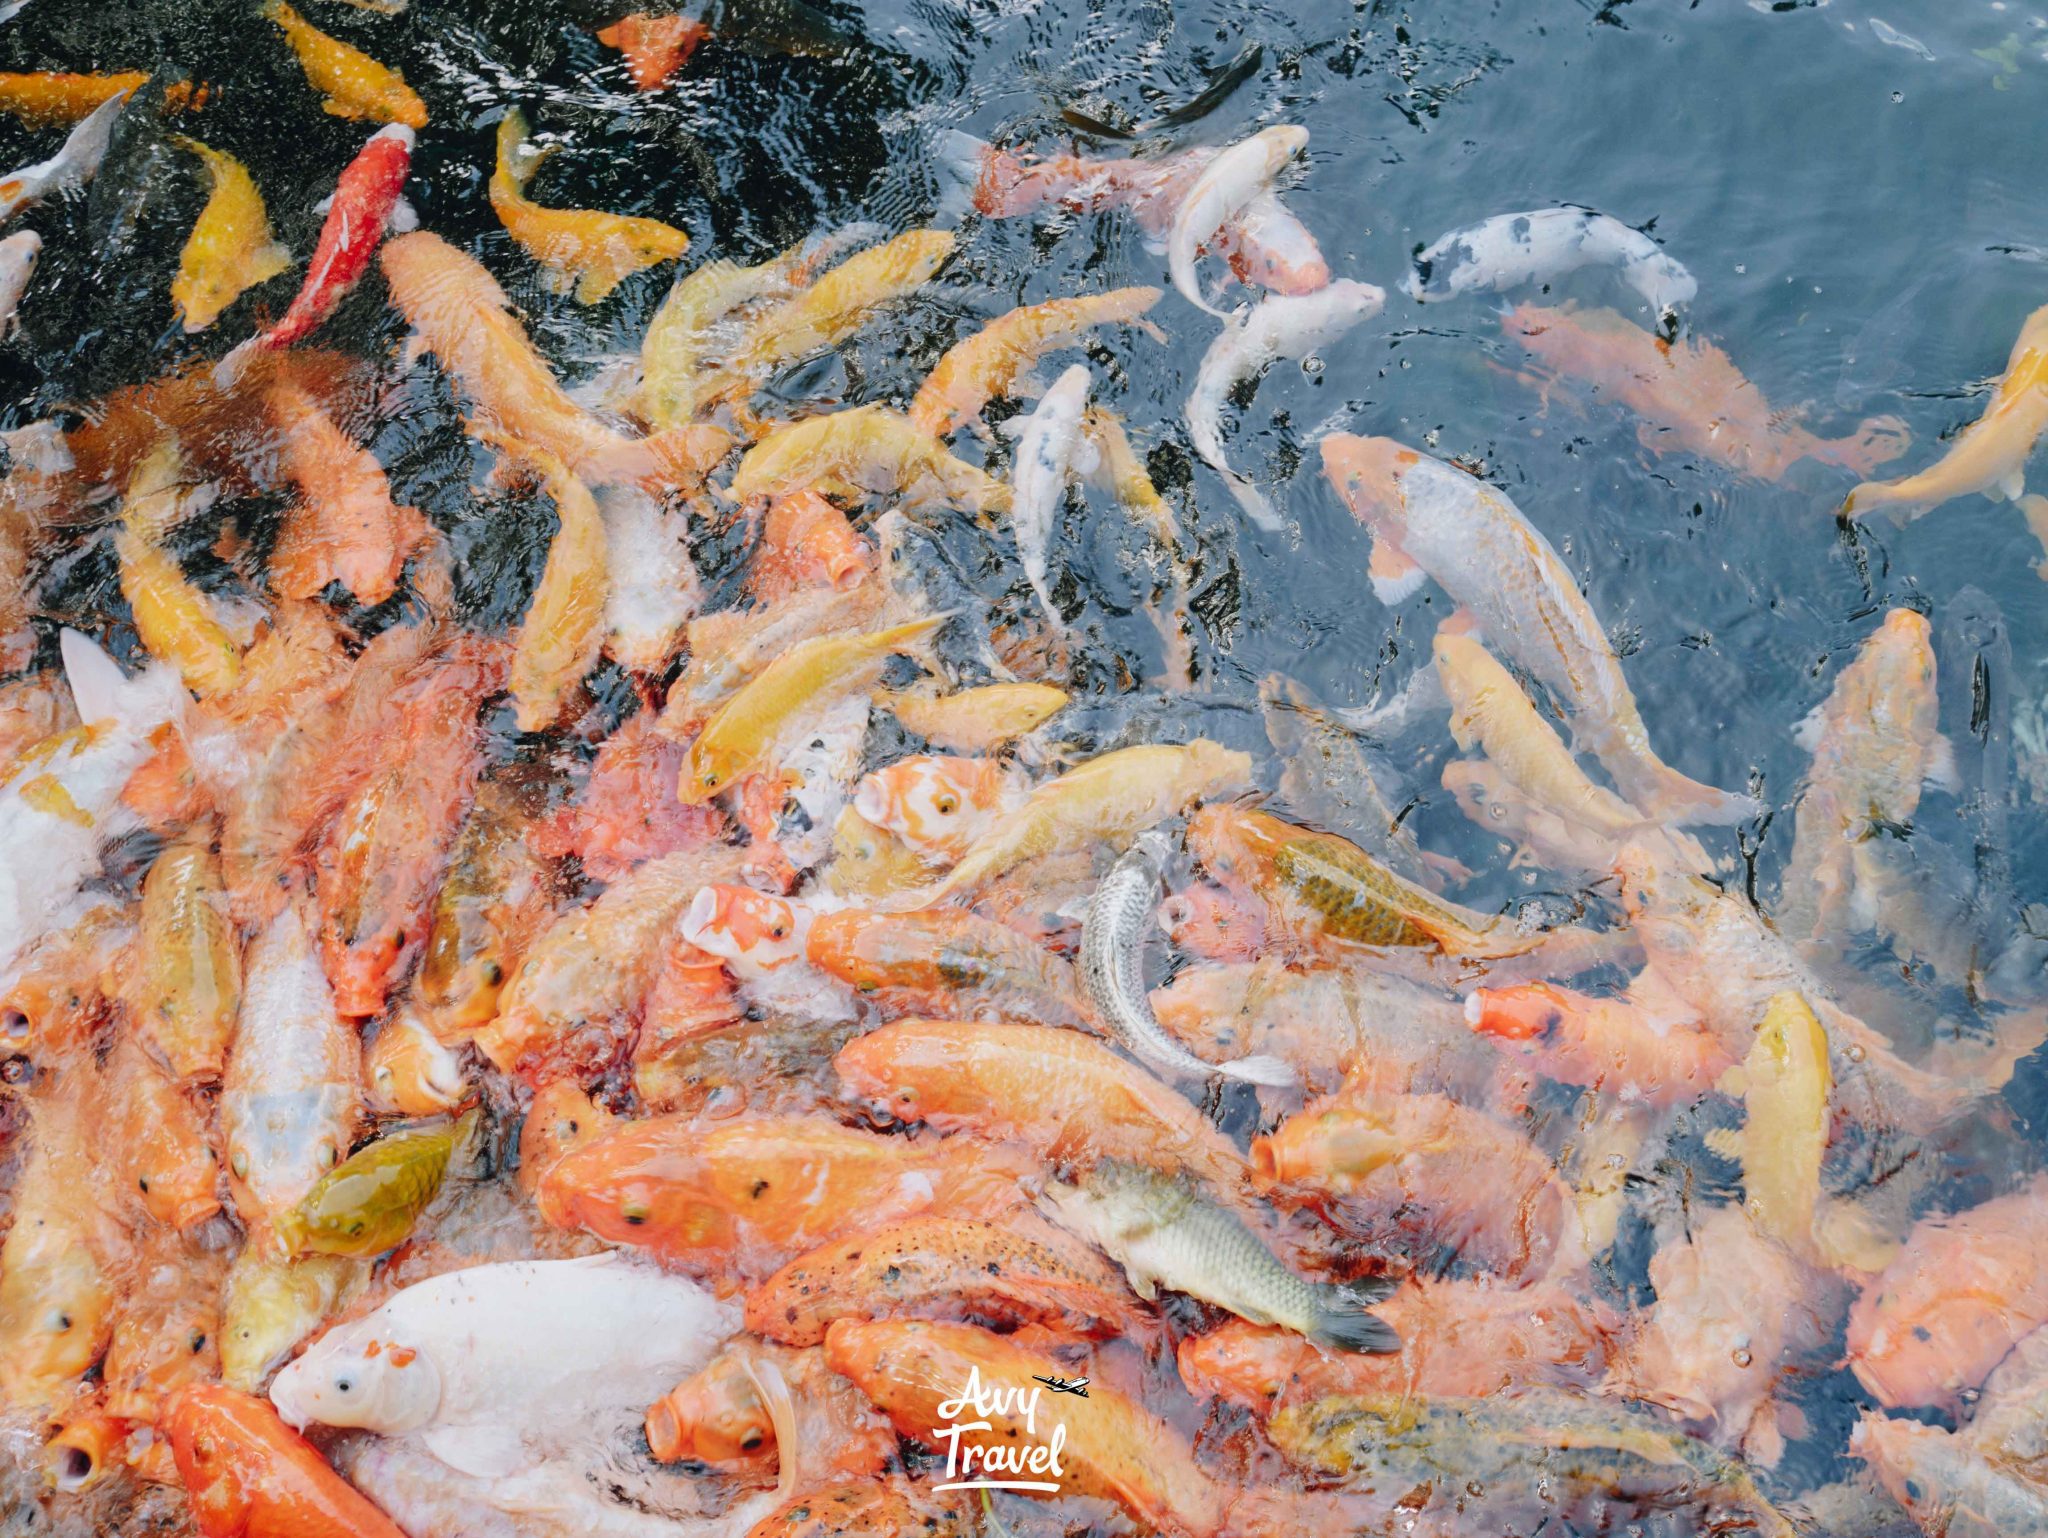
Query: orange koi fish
{"points": [[353, 84], [164, 1156], [1610, 1044], [191, 958], [806, 542], [251, 1476], [344, 527], [655, 46], [725, 1417], [738, 1199], [945, 960]]}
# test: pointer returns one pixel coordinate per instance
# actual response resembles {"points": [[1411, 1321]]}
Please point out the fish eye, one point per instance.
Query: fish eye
{"points": [[751, 1441], [15, 1023], [711, 779], [328, 1155], [238, 1161], [634, 1212], [198, 1342], [778, 932], [946, 806], [344, 1386], [493, 974], [143, 1182], [202, 1448]]}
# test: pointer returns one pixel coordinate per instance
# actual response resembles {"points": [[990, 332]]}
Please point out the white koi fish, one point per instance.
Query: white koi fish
{"points": [[1544, 244], [1046, 450], [1226, 187], [19, 254]]}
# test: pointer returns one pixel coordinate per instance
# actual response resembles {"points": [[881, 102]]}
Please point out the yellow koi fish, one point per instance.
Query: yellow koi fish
{"points": [[976, 720], [584, 249], [1990, 456], [788, 694], [564, 628], [987, 364], [230, 248], [355, 85], [191, 984], [172, 616], [868, 449]]}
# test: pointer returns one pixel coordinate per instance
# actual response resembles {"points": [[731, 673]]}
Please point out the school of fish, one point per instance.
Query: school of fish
{"points": [[731, 1054]]}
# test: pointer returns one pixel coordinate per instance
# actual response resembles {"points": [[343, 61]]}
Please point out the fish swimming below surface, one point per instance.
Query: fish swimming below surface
{"points": [[1511, 250]]}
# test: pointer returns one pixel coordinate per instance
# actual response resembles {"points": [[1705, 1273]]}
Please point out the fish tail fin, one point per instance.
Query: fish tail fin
{"points": [[1261, 1068], [1255, 503], [1343, 1322], [914, 637], [1661, 792], [103, 692]]}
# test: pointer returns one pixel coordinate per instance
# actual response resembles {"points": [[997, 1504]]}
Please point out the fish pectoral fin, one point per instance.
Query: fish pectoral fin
{"points": [[2013, 485], [1395, 577], [488, 1452]]}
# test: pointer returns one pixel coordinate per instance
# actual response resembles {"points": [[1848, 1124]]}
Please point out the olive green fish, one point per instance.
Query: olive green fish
{"points": [[370, 1201]]}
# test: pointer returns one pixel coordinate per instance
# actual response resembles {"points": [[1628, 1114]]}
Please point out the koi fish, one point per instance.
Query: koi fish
{"points": [[369, 1202], [806, 542], [19, 254], [460, 314], [946, 962], [60, 991], [1223, 189], [861, 451], [61, 797], [1610, 1044], [1378, 1162], [291, 1096], [761, 939], [175, 619], [165, 1157], [755, 1407], [1264, 243], [572, 1005], [1944, 1482], [937, 804], [1457, 1339], [380, 862], [351, 83], [1691, 397], [978, 720], [1279, 326], [367, 201], [344, 527], [732, 646], [409, 1071], [1047, 448], [745, 1197], [168, 1334], [247, 1473], [746, 732], [655, 47], [1061, 1093], [837, 304], [269, 1305], [1990, 455], [1103, 803], [75, 164], [230, 248], [45, 98], [1966, 1288], [564, 629], [490, 905], [1429, 517], [626, 814], [582, 250], [1542, 245], [946, 1268], [990, 363], [190, 986]]}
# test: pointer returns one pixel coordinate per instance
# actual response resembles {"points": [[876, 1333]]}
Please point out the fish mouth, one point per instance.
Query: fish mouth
{"points": [[703, 912], [871, 803]]}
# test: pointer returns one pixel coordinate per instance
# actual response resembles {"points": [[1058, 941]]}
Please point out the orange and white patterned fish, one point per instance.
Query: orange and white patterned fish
{"points": [[939, 803]]}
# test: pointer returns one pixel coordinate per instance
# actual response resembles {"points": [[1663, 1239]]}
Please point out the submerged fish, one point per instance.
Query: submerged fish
{"points": [[367, 201], [191, 980], [1280, 326], [1112, 966], [1165, 1232], [1428, 517], [655, 47], [1044, 464], [1541, 246], [1990, 455], [990, 363], [73, 165], [230, 249], [353, 84], [582, 249], [1222, 190]]}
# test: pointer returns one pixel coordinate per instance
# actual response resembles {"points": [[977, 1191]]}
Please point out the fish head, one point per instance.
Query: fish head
{"points": [[641, 1183], [276, 1153], [1366, 473], [561, 1119], [1204, 919], [752, 932], [53, 1322], [1527, 1012], [175, 1174], [935, 803], [1340, 1142], [868, 861], [1233, 844], [715, 1418], [1900, 1452], [902, 1070], [464, 968], [708, 771], [155, 1350], [213, 1433], [1245, 1364], [359, 1376], [410, 1071]]}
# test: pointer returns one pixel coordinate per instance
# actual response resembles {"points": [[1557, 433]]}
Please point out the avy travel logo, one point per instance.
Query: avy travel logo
{"points": [[979, 1457]]}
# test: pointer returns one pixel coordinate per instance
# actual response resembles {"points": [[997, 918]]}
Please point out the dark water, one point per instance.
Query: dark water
{"points": [[1865, 219]]}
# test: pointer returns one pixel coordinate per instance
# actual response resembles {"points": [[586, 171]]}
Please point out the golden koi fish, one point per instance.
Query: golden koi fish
{"points": [[868, 449], [173, 617], [230, 248], [564, 628], [584, 249], [987, 364], [191, 957], [354, 84]]}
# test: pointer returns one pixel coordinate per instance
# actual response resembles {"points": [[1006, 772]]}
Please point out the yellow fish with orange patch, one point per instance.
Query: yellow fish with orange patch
{"points": [[583, 249]]}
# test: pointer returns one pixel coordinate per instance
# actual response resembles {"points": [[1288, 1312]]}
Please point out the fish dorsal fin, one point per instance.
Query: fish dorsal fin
{"points": [[103, 693]]}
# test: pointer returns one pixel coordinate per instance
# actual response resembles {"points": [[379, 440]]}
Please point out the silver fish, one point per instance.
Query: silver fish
{"points": [[1112, 970], [1164, 1232]]}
